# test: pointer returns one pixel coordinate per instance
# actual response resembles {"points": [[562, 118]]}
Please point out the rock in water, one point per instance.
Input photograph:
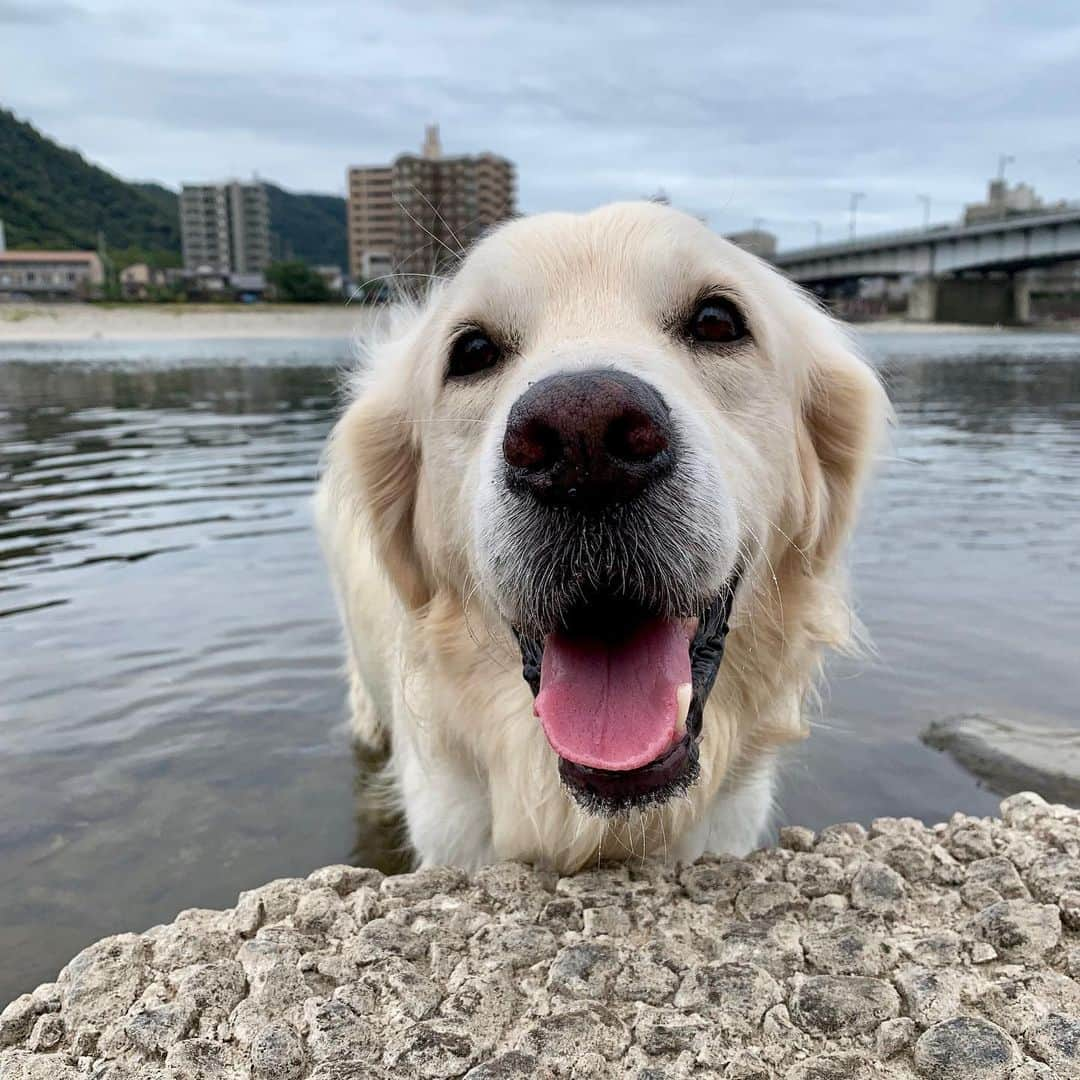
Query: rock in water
{"points": [[944, 953], [1009, 757]]}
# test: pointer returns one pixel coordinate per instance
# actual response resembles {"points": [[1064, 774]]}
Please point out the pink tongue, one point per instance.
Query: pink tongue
{"points": [[613, 705]]}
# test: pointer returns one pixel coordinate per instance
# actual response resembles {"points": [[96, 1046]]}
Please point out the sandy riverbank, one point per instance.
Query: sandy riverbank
{"points": [[147, 322], [150, 322], [901, 326]]}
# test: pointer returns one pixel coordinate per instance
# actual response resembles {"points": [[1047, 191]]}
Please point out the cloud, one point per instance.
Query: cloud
{"points": [[37, 12], [776, 112]]}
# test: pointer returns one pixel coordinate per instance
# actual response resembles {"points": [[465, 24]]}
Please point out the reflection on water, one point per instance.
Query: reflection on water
{"points": [[381, 839], [106, 464], [966, 567], [171, 714]]}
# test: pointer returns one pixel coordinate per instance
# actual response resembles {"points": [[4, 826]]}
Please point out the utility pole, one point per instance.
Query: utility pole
{"points": [[856, 198], [111, 286], [925, 200]]}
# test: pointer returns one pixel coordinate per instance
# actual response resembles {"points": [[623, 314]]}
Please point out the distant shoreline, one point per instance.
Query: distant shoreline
{"points": [[38, 322], [29, 322]]}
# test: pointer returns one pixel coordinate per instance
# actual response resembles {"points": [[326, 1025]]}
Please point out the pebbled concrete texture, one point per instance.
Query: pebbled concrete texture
{"points": [[903, 950]]}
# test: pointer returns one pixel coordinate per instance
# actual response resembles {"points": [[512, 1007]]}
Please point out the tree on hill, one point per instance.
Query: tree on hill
{"points": [[296, 282], [308, 227], [51, 197]]}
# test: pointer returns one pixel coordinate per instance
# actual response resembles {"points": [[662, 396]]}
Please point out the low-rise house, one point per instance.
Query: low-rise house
{"points": [[758, 242], [207, 284], [248, 288], [50, 275], [137, 280]]}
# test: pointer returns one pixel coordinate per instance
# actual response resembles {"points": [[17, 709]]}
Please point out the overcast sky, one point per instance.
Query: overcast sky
{"points": [[739, 111]]}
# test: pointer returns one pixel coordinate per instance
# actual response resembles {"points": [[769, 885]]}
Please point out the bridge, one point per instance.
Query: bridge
{"points": [[944, 259]]}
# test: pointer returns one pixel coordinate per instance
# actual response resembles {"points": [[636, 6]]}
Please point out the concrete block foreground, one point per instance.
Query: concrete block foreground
{"points": [[949, 952]]}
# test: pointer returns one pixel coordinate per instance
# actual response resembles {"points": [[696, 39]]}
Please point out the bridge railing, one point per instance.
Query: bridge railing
{"points": [[911, 237]]}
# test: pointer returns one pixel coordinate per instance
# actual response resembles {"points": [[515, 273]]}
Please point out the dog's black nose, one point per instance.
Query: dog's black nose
{"points": [[588, 439]]}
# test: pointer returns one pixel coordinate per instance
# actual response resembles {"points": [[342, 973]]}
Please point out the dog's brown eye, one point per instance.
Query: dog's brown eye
{"points": [[473, 351], [717, 322]]}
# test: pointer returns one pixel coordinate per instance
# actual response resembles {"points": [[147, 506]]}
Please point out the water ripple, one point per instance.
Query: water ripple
{"points": [[171, 706]]}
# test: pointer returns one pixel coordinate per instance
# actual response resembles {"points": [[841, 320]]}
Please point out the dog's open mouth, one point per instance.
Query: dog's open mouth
{"points": [[620, 693]]}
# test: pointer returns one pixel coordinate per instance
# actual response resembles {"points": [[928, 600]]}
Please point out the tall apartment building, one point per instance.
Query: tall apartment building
{"points": [[417, 214], [225, 228]]}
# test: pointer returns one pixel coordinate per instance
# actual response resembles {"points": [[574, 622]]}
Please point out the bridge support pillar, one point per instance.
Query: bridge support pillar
{"points": [[1021, 299], [922, 300], [983, 301]]}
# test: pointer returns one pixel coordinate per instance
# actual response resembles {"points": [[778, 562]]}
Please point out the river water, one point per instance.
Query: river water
{"points": [[171, 709]]}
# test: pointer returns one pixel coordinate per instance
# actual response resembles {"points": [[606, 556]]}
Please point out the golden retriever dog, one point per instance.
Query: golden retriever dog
{"points": [[585, 513]]}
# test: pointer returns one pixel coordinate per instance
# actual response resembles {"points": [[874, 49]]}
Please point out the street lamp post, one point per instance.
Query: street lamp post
{"points": [[856, 198], [817, 232], [925, 200], [1003, 160]]}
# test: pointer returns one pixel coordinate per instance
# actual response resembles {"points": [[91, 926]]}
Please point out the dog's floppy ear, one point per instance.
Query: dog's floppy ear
{"points": [[387, 460], [844, 414], [373, 467]]}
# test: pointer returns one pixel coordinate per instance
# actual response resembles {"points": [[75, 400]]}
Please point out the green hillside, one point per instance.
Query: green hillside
{"points": [[307, 227], [302, 226], [51, 197], [162, 196]]}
